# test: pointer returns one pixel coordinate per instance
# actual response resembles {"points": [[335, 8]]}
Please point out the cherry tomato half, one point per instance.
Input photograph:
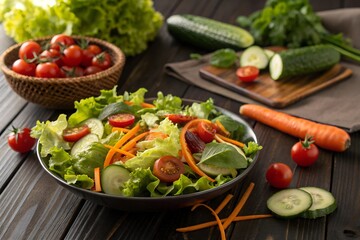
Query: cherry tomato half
{"points": [[20, 140], [305, 153], [168, 168], [121, 120], [279, 175], [22, 67], [75, 133], [29, 50], [206, 131], [247, 73], [179, 118]]}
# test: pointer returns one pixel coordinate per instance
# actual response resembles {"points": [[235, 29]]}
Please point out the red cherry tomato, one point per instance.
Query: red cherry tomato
{"points": [[92, 70], [305, 153], [72, 71], [22, 67], [247, 73], [279, 175], [121, 120], [61, 41], [75, 133], [206, 131], [51, 55], [87, 57], [47, 70], [168, 169], [102, 60], [29, 50], [179, 118], [20, 140], [95, 49], [72, 56]]}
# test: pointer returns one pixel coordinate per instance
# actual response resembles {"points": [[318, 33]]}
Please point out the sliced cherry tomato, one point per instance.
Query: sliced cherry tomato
{"points": [[61, 41], [279, 175], [168, 169], [247, 73], [20, 140], [75, 133], [305, 153], [72, 56], [179, 118], [121, 120], [47, 70], [102, 60], [92, 70], [206, 131], [29, 50], [22, 67]]}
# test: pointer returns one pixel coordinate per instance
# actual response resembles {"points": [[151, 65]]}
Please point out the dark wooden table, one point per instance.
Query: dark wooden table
{"points": [[34, 206]]}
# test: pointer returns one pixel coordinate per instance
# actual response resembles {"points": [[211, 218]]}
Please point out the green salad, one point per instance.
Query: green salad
{"points": [[122, 145]]}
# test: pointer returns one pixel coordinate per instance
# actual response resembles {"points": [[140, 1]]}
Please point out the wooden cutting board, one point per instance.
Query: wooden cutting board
{"points": [[280, 93]]}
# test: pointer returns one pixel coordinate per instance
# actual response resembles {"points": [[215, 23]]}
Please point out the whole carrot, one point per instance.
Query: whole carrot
{"points": [[325, 136]]}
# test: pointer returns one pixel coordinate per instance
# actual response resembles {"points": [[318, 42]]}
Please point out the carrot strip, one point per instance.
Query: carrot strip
{"points": [[147, 105], [218, 221], [121, 142], [97, 179], [325, 136], [186, 152], [229, 140], [239, 206], [222, 128], [130, 144], [119, 129], [122, 151], [213, 223], [224, 203]]}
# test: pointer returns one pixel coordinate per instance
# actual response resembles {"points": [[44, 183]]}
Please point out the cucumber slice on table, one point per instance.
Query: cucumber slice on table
{"points": [[289, 203], [82, 144], [254, 56], [323, 203], [95, 126], [113, 178]]}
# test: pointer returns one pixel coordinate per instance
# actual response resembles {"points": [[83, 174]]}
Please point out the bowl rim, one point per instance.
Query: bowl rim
{"points": [[119, 64]]}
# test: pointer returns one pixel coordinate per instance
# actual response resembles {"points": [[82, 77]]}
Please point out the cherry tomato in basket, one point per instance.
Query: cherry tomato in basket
{"points": [[51, 55], [29, 50], [72, 56], [92, 70], [206, 131], [20, 140], [75, 133], [47, 70], [305, 153], [87, 57], [102, 60], [168, 168], [179, 118], [61, 41], [247, 73], [67, 71], [95, 49], [279, 175], [22, 67], [121, 120]]}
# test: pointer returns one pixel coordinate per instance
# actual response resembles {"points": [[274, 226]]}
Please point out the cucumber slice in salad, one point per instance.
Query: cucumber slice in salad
{"points": [[81, 145], [113, 178], [95, 125], [289, 203], [213, 170], [323, 203]]}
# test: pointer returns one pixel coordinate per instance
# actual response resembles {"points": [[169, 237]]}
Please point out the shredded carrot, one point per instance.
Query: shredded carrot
{"points": [[119, 129], [131, 143], [154, 134], [213, 223], [186, 152], [147, 105], [239, 206], [218, 221], [219, 137], [121, 142], [122, 151], [97, 179], [222, 128], [224, 203]]}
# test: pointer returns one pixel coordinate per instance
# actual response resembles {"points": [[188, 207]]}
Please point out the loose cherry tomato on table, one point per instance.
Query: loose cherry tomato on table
{"points": [[75, 133], [61, 41], [29, 50], [20, 140], [168, 168], [22, 67], [102, 60], [305, 153], [206, 131], [247, 73], [279, 175], [72, 56], [179, 118], [121, 120], [47, 70]]}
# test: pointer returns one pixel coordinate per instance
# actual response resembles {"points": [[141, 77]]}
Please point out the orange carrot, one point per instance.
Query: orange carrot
{"points": [[120, 150], [218, 221], [147, 105], [222, 128], [125, 130], [239, 206], [121, 142], [223, 203], [97, 179], [220, 138], [325, 136], [130, 144], [213, 223], [186, 152]]}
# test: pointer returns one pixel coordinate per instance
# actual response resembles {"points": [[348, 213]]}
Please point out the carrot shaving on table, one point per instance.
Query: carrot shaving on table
{"points": [[221, 138], [218, 221], [224, 203], [97, 179]]}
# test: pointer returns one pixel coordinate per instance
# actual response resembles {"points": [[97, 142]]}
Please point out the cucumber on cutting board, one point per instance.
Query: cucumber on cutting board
{"points": [[323, 203], [300, 61], [254, 56], [208, 33]]}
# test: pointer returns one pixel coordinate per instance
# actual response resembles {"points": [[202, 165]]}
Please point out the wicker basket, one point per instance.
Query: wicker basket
{"points": [[60, 93]]}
